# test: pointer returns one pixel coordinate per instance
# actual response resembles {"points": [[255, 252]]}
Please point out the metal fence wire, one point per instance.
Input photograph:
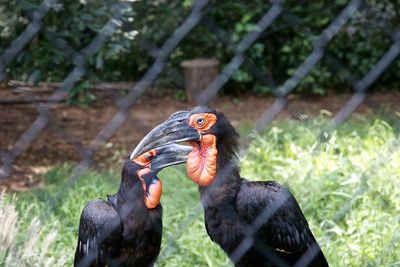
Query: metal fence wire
{"points": [[161, 57]]}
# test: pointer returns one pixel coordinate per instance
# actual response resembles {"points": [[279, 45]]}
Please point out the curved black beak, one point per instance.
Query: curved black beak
{"points": [[169, 155], [174, 130]]}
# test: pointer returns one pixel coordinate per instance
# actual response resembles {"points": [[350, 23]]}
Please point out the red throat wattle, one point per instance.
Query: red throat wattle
{"points": [[202, 161], [152, 194]]}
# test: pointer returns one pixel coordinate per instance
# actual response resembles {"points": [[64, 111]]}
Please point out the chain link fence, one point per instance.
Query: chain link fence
{"points": [[161, 57]]}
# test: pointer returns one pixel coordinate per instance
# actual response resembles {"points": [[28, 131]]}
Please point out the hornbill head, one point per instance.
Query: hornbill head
{"points": [[212, 138], [150, 163]]}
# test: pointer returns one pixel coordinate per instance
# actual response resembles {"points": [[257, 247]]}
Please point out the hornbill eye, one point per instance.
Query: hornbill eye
{"points": [[148, 156], [200, 121]]}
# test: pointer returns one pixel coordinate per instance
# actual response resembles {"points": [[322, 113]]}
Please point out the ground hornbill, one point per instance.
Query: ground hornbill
{"points": [[255, 223], [126, 229]]}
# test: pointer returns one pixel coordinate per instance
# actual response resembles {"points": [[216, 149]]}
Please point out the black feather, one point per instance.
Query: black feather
{"points": [[120, 231], [233, 206]]}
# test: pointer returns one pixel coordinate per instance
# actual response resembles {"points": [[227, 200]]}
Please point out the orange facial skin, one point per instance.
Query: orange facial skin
{"points": [[152, 195], [202, 161], [145, 159]]}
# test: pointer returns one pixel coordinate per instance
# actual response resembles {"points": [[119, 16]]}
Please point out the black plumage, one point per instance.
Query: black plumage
{"points": [[255, 223], [121, 231], [265, 212]]}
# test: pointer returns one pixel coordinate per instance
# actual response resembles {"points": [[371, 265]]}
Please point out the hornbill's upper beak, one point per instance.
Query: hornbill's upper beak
{"points": [[174, 130]]}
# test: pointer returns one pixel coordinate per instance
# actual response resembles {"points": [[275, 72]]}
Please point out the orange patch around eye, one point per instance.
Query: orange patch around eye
{"points": [[209, 120], [202, 161], [145, 158]]}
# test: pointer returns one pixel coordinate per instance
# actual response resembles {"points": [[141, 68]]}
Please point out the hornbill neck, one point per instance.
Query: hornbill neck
{"points": [[227, 181], [224, 188], [130, 203], [130, 192]]}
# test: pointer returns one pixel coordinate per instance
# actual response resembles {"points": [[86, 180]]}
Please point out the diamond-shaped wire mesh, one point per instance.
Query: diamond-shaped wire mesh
{"points": [[161, 57]]}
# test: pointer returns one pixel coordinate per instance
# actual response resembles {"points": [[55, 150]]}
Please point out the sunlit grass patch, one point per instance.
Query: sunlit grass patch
{"points": [[348, 188], [25, 246]]}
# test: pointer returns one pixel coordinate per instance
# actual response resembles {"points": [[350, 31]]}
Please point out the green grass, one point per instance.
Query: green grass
{"points": [[349, 190]]}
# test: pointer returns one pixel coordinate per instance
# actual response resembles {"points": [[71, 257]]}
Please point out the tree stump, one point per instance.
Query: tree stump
{"points": [[198, 73]]}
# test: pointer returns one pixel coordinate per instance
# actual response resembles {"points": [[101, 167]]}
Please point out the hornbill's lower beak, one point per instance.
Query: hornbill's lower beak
{"points": [[174, 130], [169, 155], [151, 162]]}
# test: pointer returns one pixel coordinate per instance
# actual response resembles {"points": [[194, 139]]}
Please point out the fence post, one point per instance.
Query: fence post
{"points": [[198, 73]]}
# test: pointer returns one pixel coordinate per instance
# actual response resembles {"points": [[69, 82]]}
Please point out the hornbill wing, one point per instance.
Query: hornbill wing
{"points": [[99, 235], [283, 226]]}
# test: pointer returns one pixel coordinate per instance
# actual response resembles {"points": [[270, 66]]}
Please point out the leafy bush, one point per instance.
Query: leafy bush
{"points": [[147, 24]]}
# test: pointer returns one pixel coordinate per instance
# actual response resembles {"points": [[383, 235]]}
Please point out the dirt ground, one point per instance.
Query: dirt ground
{"points": [[71, 127]]}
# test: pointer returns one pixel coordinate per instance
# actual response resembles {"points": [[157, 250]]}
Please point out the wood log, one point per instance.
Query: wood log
{"points": [[44, 87], [198, 73]]}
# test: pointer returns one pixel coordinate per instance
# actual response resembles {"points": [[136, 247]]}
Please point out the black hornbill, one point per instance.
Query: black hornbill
{"points": [[255, 223], [126, 229]]}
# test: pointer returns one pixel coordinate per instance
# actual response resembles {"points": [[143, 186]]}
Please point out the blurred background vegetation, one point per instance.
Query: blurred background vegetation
{"points": [[147, 24]]}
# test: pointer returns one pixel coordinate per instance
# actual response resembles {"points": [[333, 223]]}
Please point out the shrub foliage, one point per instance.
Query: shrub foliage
{"points": [[69, 26]]}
